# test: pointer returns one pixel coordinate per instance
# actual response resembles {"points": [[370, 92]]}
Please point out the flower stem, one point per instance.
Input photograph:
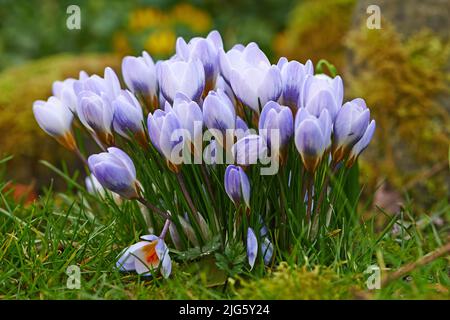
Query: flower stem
{"points": [[186, 193], [153, 208], [165, 229], [81, 156], [310, 198], [325, 187]]}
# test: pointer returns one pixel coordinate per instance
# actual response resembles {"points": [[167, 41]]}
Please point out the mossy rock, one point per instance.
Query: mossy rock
{"points": [[21, 136]]}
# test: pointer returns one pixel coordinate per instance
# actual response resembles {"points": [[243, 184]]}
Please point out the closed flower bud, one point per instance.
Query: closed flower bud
{"points": [[187, 77], [219, 115], [56, 120], [351, 123], [96, 114], [166, 135], [65, 92], [116, 172], [312, 137], [128, 117], [322, 92], [249, 150], [253, 79], [362, 144], [293, 76], [206, 50], [139, 74], [237, 185], [276, 125]]}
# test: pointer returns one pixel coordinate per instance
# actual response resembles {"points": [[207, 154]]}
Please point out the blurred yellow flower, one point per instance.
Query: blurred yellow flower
{"points": [[161, 42]]}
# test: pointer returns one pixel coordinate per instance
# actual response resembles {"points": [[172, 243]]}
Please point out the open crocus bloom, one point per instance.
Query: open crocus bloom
{"points": [[146, 256]]}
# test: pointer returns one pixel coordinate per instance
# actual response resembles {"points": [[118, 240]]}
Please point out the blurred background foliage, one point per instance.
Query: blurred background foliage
{"points": [[402, 70]]}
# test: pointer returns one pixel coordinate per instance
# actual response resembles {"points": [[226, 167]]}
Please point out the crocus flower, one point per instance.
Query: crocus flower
{"points": [[237, 185], [139, 74], [116, 172], [94, 187], [362, 144], [56, 120], [223, 85], [128, 118], [312, 137], [108, 85], [293, 76], [187, 77], [267, 250], [190, 117], [249, 150], [65, 92], [322, 92], [253, 79], [232, 59], [241, 128], [206, 50], [219, 115], [146, 256], [252, 247], [276, 122], [96, 114], [166, 135], [351, 123]]}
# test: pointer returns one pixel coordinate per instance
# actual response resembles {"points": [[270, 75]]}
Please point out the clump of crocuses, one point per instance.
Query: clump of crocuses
{"points": [[216, 146]]}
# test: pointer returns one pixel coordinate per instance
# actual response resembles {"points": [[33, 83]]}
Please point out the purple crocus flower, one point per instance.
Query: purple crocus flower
{"points": [[276, 122], [96, 114], [166, 135], [187, 77], [128, 117], [322, 92], [351, 123], [237, 185], [293, 76], [252, 247], [312, 137], [116, 172], [251, 76], [65, 92], [249, 149], [139, 74], [206, 50], [56, 120], [362, 144], [219, 115], [190, 117]]}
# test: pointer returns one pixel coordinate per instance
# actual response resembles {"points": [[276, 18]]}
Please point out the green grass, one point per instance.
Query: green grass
{"points": [[39, 241]]}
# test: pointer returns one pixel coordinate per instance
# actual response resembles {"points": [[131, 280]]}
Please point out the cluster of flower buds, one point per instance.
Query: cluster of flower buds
{"points": [[203, 88]]}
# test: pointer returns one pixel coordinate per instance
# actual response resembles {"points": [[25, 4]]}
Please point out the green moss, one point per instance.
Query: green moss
{"points": [[19, 88], [405, 83], [292, 282], [316, 30]]}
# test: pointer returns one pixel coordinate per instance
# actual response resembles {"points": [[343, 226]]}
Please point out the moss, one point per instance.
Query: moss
{"points": [[293, 282], [19, 87], [405, 82], [316, 30]]}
